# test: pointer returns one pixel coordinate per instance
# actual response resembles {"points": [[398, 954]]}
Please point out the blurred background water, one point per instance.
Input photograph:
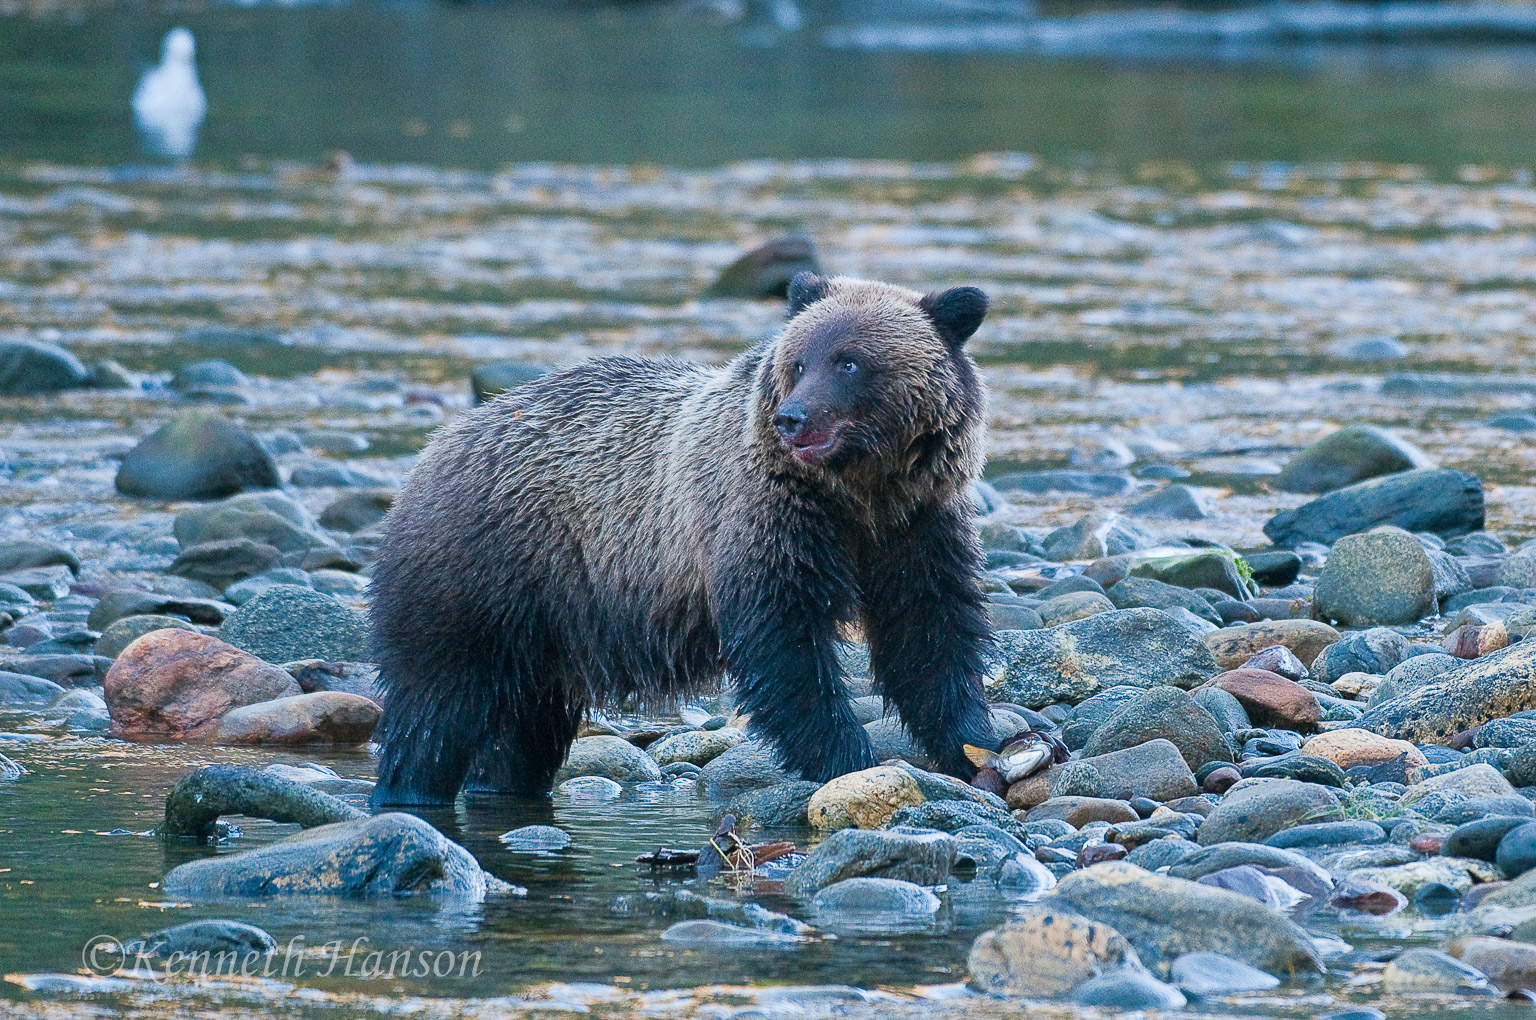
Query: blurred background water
{"points": [[484, 84]]}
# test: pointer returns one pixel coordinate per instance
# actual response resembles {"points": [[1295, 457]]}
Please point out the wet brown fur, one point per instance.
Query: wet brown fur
{"points": [[634, 528]]}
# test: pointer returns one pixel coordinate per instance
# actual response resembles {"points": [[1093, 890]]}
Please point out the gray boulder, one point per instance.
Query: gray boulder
{"points": [[1379, 578], [924, 857], [28, 367], [1165, 918], [1494, 686], [1165, 712], [612, 757], [388, 854], [197, 455], [1256, 809], [1072, 662], [1352, 454], [286, 623]]}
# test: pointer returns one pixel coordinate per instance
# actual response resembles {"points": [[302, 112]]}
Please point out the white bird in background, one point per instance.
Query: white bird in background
{"points": [[169, 105]]}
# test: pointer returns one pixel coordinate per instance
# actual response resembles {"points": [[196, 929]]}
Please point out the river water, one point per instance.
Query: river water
{"points": [[1187, 255]]}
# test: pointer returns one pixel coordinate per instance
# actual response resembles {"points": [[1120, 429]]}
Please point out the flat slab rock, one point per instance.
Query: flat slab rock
{"points": [[1495, 686], [387, 854]]}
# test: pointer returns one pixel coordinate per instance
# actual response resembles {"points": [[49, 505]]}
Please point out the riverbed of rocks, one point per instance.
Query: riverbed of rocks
{"points": [[1342, 725], [1288, 659]]}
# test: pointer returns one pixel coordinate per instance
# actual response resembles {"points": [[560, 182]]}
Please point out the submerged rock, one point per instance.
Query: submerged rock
{"points": [[213, 936], [387, 854], [197, 455], [875, 906]]}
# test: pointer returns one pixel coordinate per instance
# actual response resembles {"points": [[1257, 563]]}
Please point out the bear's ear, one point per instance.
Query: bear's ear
{"points": [[956, 313], [806, 289]]}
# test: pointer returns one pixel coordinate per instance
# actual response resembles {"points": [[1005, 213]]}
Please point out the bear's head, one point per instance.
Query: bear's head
{"points": [[873, 376]]}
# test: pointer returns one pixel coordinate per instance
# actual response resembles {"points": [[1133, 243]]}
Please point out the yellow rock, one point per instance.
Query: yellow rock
{"points": [[863, 799], [1348, 748]]}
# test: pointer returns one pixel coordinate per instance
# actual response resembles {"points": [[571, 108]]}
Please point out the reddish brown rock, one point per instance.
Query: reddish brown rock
{"points": [[1271, 699], [1367, 897], [1079, 811], [1233, 646], [1098, 853], [1471, 640], [325, 717], [178, 684], [1221, 780]]}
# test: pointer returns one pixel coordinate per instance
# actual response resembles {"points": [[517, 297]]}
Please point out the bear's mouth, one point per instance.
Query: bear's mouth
{"points": [[813, 446]]}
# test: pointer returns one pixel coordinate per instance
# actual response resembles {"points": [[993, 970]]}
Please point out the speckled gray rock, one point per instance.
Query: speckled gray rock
{"points": [[1133, 647], [124, 632], [1164, 918], [1254, 810], [875, 906], [286, 623], [1374, 651], [697, 747], [1095, 535], [747, 766], [1144, 592], [774, 807], [273, 518], [20, 689], [1492, 687], [211, 936], [1165, 712], [1377, 578]]}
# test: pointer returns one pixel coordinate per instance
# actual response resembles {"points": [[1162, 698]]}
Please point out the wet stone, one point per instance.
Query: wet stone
{"points": [[1442, 501], [211, 936], [324, 717], [782, 806], [1045, 953], [1132, 647], [393, 853], [912, 855], [1424, 970], [197, 455], [875, 906], [1210, 974], [705, 934], [1328, 834], [531, 838], [1256, 810], [608, 757], [1128, 990]]}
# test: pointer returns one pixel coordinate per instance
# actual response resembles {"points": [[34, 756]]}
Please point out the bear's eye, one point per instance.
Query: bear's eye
{"points": [[799, 369], [848, 365]]}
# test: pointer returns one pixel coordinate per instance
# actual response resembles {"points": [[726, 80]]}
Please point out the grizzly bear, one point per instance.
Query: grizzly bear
{"points": [[635, 529]]}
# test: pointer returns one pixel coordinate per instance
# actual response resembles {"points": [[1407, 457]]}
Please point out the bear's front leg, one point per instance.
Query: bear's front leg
{"points": [[929, 638], [776, 603]]}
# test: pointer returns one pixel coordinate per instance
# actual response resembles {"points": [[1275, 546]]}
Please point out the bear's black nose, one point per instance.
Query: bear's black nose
{"points": [[788, 420]]}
